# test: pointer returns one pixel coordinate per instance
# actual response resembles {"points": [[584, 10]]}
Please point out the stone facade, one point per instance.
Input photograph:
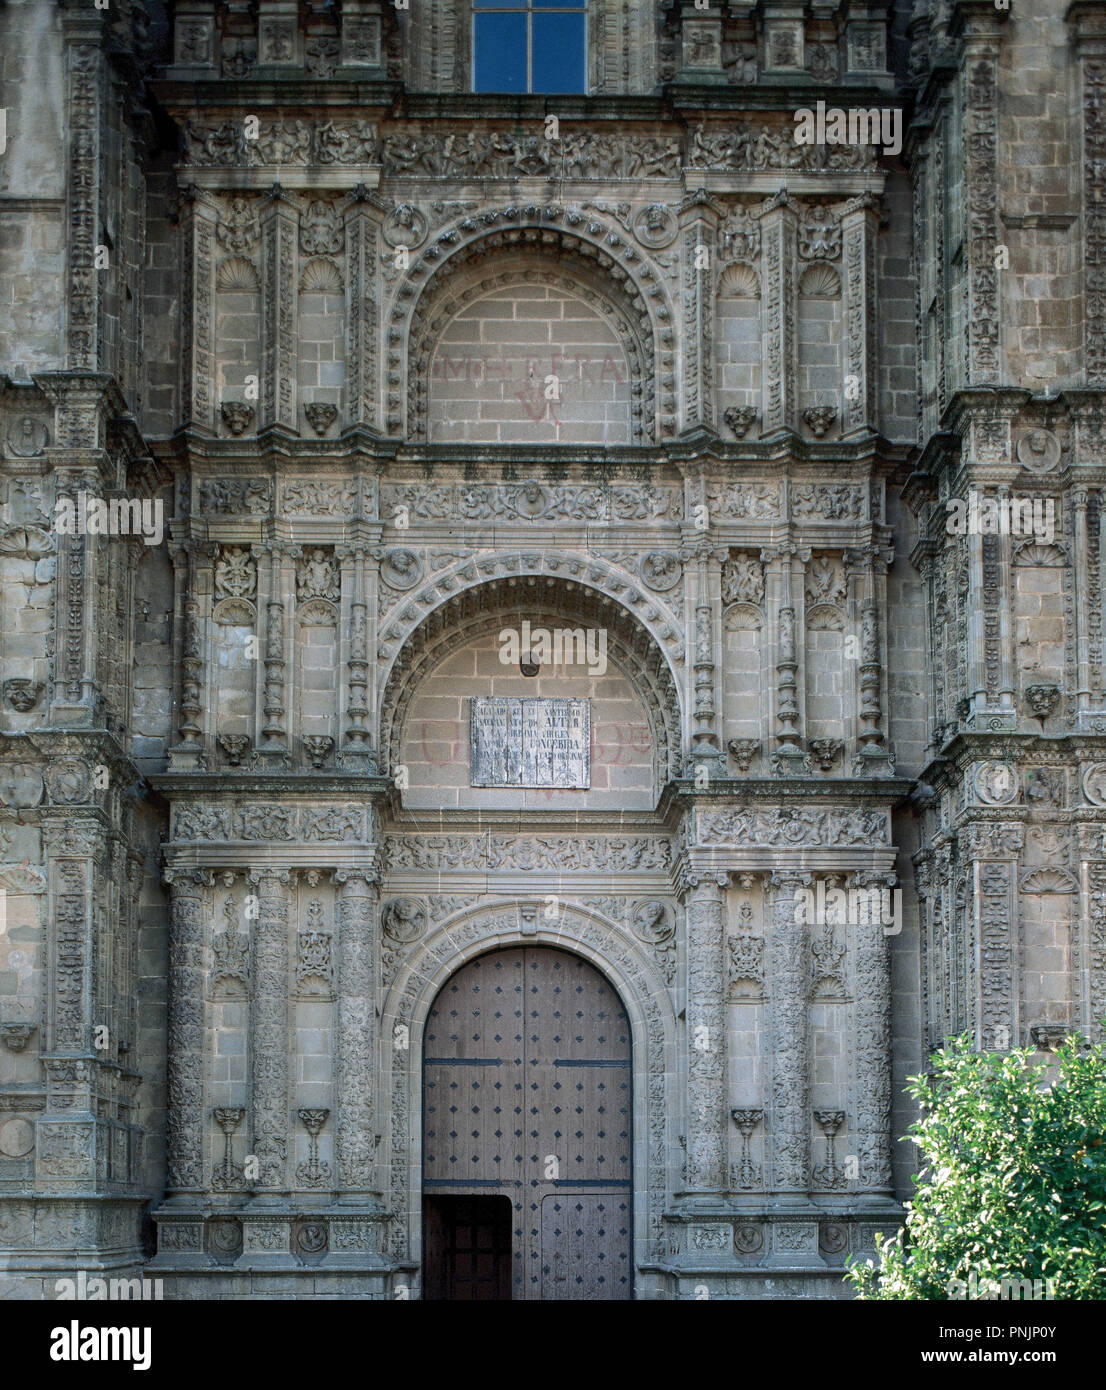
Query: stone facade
{"points": [[401, 367]]}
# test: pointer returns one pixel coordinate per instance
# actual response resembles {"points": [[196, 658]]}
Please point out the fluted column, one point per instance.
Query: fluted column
{"points": [[872, 1052], [356, 1037], [706, 1033], [789, 973], [185, 1057], [269, 1109]]}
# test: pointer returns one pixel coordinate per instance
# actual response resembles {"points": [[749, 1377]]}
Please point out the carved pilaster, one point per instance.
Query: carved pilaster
{"points": [[279, 252], [859, 229], [788, 756], [357, 1137], [85, 121], [273, 726], [185, 1089], [200, 218], [698, 226], [363, 297], [706, 1034], [705, 749], [74, 596], [1080, 567], [789, 975], [1090, 35], [979, 102], [269, 1112], [780, 337], [872, 1045], [872, 756]]}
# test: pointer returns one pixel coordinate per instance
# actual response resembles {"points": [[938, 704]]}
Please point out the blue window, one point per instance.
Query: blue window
{"points": [[529, 45]]}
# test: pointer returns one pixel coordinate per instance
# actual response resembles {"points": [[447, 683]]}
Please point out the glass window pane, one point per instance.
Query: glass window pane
{"points": [[502, 4], [500, 42], [558, 61], [559, 5]]}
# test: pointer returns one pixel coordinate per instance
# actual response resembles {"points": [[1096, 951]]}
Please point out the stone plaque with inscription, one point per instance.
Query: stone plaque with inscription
{"points": [[530, 742]]}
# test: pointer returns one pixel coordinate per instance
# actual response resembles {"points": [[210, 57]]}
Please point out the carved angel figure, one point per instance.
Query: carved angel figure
{"points": [[317, 576]]}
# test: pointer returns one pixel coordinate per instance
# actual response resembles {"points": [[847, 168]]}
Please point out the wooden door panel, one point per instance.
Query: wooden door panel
{"points": [[527, 1092]]}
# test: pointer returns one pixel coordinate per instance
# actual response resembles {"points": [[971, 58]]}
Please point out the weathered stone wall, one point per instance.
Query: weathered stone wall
{"points": [[776, 364]]}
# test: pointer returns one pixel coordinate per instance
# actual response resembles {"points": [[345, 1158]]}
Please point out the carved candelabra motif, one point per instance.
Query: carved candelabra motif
{"points": [[313, 1173], [229, 1174], [745, 1173], [828, 1174]]}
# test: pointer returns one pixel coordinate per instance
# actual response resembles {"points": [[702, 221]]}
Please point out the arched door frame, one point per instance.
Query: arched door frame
{"points": [[648, 1005]]}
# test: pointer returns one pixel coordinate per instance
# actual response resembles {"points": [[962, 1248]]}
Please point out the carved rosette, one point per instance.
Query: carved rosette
{"points": [[356, 1042], [184, 1124], [706, 1031], [788, 976], [269, 1026]]}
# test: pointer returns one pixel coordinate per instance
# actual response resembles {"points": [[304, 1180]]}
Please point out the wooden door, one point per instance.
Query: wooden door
{"points": [[527, 1094]]}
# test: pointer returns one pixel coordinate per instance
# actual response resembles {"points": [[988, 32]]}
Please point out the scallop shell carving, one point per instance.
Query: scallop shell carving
{"points": [[738, 282], [321, 276], [237, 273], [819, 279]]}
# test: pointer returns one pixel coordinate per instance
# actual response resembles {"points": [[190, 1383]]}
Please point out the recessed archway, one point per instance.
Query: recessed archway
{"points": [[488, 607], [528, 1096]]}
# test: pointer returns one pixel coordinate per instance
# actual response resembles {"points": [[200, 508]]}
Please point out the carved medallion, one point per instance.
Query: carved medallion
{"points": [[1038, 450], [996, 784], [1094, 784], [655, 226], [20, 785], [68, 781]]}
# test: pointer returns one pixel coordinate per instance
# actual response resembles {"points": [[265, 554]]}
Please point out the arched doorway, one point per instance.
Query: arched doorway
{"points": [[527, 1125]]}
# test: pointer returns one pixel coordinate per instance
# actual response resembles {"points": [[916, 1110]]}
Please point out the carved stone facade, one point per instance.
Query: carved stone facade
{"points": [[391, 378]]}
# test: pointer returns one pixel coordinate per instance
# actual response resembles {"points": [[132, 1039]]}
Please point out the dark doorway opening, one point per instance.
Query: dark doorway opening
{"points": [[468, 1249]]}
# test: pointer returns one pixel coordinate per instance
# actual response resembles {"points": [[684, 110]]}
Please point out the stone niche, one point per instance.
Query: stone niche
{"points": [[436, 735]]}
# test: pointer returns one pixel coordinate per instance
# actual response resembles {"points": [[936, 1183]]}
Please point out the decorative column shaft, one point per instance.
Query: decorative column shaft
{"points": [[698, 231], [872, 1054], [185, 1090], [356, 1037], [269, 1112], [706, 1034], [273, 738], [780, 338], [704, 740], [75, 614], [198, 312], [859, 229], [279, 250], [789, 973], [1079, 498], [979, 103], [1085, 17], [362, 298], [191, 660]]}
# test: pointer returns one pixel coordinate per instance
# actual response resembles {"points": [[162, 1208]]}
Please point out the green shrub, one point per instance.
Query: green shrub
{"points": [[1014, 1183]]}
